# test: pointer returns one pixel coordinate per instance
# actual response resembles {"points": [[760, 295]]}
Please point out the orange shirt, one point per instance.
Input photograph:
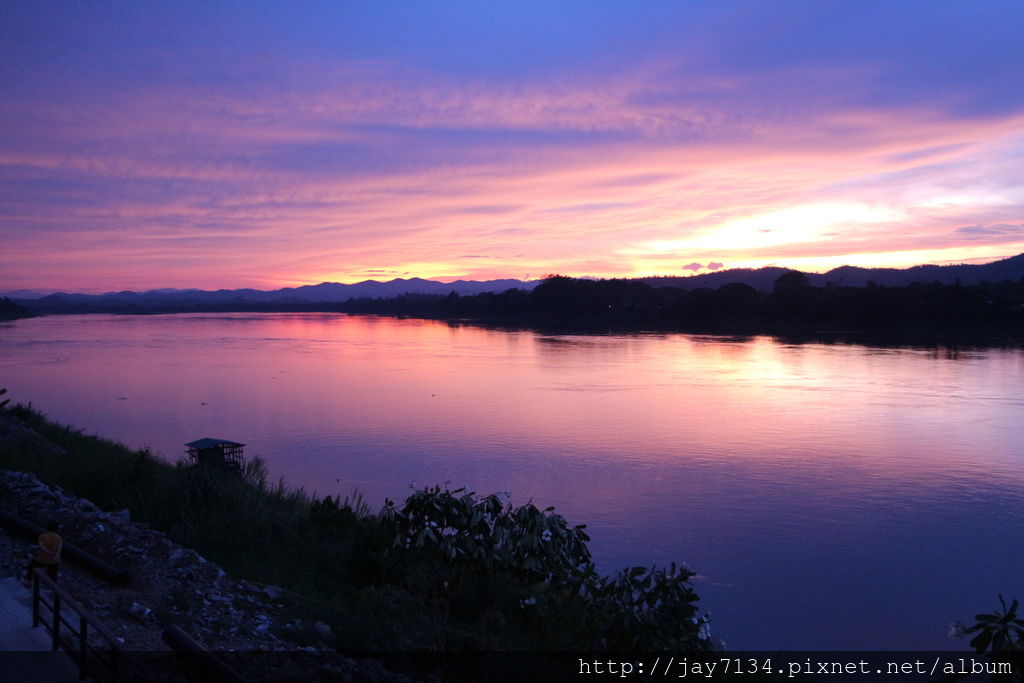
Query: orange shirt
{"points": [[49, 548]]}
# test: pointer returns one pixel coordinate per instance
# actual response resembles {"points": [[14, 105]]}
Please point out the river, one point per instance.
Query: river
{"points": [[829, 495]]}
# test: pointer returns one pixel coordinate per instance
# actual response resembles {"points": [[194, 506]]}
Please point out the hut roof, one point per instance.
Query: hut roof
{"points": [[202, 444]]}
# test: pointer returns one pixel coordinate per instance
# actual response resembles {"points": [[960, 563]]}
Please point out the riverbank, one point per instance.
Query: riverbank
{"points": [[446, 571], [241, 524], [168, 584], [792, 306]]}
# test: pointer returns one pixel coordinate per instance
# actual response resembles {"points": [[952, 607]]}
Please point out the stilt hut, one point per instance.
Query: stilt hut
{"points": [[218, 452]]}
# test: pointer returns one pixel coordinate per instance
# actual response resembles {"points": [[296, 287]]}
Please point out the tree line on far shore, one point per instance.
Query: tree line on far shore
{"points": [[10, 310], [792, 300]]}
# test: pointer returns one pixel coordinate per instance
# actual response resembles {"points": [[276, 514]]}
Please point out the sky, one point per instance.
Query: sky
{"points": [[270, 144]]}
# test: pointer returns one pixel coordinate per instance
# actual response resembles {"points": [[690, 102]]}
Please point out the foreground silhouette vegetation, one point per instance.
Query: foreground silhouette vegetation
{"points": [[444, 570], [999, 635]]}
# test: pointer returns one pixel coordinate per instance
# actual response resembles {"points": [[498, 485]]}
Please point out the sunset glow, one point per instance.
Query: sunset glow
{"points": [[230, 145]]}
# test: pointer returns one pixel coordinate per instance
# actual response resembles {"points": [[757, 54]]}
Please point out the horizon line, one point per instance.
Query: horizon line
{"points": [[446, 279]]}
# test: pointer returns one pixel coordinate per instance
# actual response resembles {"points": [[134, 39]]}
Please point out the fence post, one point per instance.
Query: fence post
{"points": [[35, 599], [56, 620], [83, 643]]}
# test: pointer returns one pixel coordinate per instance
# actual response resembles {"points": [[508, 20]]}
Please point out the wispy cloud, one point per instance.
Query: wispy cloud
{"points": [[147, 164], [998, 231]]}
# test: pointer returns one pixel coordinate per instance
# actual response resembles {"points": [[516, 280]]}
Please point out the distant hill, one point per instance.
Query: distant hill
{"points": [[1007, 269], [310, 297], [167, 300], [759, 278], [26, 293], [333, 291], [852, 276]]}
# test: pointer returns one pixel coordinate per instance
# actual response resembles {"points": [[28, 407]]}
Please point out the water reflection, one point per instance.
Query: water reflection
{"points": [[877, 485]]}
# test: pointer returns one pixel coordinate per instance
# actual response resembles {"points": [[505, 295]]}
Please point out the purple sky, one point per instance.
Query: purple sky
{"points": [[231, 144]]}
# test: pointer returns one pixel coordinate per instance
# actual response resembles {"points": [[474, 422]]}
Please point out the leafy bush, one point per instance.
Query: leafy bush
{"points": [[446, 570], [521, 577], [1000, 634], [487, 535]]}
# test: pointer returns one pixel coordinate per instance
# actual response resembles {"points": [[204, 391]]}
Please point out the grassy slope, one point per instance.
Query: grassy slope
{"points": [[344, 568], [253, 531]]}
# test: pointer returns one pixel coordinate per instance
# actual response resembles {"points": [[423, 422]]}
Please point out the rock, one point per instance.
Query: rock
{"points": [[139, 612], [179, 557]]}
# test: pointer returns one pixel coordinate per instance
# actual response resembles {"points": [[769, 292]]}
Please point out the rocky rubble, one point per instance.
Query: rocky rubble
{"points": [[170, 584]]}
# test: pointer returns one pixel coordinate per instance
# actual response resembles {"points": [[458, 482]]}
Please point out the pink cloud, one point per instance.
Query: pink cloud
{"points": [[370, 167]]}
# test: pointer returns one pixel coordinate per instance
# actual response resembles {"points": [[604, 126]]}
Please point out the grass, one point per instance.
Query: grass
{"points": [[266, 534], [357, 571]]}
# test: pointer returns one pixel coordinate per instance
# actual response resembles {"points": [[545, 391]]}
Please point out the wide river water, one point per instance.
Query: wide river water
{"points": [[830, 496]]}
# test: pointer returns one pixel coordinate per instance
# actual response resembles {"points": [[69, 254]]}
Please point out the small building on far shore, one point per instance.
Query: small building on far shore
{"points": [[220, 452]]}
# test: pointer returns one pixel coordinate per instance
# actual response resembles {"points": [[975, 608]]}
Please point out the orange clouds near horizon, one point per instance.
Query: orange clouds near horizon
{"points": [[139, 167]]}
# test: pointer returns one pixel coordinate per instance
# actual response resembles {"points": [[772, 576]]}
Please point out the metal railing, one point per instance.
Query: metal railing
{"points": [[94, 648], [200, 663]]}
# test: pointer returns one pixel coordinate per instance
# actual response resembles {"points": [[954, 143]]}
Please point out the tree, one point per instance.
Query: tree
{"points": [[791, 281]]}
